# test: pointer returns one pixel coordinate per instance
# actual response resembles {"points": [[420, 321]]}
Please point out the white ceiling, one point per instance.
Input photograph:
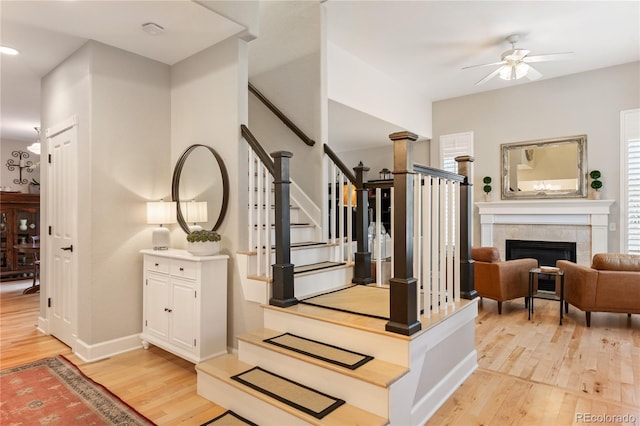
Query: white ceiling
{"points": [[423, 44]]}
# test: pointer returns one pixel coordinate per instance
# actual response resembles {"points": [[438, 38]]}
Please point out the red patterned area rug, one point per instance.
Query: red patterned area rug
{"points": [[53, 391]]}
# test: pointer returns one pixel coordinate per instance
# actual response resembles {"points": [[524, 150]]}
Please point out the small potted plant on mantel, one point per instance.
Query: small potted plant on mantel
{"points": [[203, 243], [596, 184], [487, 187]]}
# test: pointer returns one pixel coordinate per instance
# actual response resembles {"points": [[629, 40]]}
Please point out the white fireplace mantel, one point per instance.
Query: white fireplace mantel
{"points": [[592, 213]]}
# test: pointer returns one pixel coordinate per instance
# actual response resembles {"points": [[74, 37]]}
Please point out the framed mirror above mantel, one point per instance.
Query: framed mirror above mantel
{"points": [[545, 168]]}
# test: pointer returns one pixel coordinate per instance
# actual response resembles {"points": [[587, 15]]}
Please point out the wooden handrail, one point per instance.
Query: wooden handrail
{"points": [[274, 109], [343, 168], [257, 148]]}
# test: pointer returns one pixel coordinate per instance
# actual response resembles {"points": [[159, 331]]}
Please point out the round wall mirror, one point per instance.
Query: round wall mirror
{"points": [[200, 188]]}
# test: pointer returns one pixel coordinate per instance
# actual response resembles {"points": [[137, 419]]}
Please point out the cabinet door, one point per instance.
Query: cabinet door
{"points": [[183, 313], [5, 240], [156, 305]]}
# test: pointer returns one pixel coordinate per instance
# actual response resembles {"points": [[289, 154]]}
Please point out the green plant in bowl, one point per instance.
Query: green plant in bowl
{"points": [[203, 236]]}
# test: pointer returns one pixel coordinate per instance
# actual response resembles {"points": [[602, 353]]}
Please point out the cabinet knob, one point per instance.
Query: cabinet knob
{"points": [[167, 310], [157, 264], [181, 269]]}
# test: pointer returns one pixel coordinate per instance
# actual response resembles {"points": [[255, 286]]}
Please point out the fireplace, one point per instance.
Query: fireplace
{"points": [[547, 253]]}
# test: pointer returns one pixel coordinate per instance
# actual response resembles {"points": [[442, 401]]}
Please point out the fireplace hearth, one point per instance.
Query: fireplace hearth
{"points": [[547, 253]]}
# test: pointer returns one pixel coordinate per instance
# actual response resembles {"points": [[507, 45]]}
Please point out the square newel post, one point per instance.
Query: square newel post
{"points": [[403, 308], [467, 286], [362, 272], [283, 289]]}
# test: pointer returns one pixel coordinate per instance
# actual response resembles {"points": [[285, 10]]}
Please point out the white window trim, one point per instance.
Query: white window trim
{"points": [[627, 118]]}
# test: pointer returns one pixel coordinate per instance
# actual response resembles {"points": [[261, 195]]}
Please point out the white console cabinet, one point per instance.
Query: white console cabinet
{"points": [[185, 303]]}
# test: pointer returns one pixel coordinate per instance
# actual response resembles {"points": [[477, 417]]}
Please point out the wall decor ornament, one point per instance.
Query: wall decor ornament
{"points": [[21, 163]]}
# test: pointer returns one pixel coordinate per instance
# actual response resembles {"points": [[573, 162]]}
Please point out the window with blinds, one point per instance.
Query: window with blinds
{"points": [[452, 146], [630, 187]]}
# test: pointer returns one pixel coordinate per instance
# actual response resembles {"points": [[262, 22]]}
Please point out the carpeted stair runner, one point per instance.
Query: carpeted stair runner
{"points": [[229, 418], [303, 398], [319, 350]]}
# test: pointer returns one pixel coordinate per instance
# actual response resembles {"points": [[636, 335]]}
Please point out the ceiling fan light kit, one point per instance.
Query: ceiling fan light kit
{"points": [[514, 63]]}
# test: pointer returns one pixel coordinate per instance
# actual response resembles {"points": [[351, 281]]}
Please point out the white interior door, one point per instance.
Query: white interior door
{"points": [[61, 259]]}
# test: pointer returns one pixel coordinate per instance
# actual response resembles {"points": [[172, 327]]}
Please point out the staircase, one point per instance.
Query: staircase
{"points": [[319, 266], [405, 382], [416, 364]]}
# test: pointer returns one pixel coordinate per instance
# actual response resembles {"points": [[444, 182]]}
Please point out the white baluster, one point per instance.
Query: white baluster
{"points": [[268, 223], [456, 273], [426, 241], [252, 186], [435, 244], [377, 241], [450, 241]]}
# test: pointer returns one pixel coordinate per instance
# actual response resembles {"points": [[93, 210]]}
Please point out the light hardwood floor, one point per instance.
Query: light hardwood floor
{"points": [[530, 372]]}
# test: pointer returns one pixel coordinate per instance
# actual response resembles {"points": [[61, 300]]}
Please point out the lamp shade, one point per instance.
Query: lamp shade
{"points": [[194, 211], [161, 212]]}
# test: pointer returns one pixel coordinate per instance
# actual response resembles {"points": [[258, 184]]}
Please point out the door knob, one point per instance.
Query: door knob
{"points": [[70, 248]]}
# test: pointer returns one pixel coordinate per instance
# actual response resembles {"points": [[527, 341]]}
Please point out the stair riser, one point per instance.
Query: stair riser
{"points": [[358, 393], [299, 256], [382, 346], [298, 235], [296, 216], [248, 406], [321, 280]]}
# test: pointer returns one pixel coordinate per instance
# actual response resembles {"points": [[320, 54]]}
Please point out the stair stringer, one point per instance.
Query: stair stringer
{"points": [[310, 209], [442, 358]]}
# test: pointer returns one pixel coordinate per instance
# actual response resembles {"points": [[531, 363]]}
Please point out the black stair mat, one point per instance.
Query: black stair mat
{"points": [[319, 350], [296, 395], [316, 267], [229, 418]]}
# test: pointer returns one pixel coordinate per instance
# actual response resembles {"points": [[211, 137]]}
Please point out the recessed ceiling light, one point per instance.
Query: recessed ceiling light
{"points": [[8, 50], [152, 28]]}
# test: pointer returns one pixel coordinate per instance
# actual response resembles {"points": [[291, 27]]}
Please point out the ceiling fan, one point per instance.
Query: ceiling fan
{"points": [[515, 63]]}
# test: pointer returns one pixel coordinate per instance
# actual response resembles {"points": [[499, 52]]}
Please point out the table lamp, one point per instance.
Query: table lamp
{"points": [[194, 212], [161, 213]]}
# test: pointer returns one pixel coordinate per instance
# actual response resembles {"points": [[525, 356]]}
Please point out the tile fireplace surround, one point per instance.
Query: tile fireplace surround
{"points": [[576, 220]]}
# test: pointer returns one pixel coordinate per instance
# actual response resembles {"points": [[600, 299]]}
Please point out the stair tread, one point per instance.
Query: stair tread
{"points": [[319, 266], [223, 367], [376, 372], [335, 266]]}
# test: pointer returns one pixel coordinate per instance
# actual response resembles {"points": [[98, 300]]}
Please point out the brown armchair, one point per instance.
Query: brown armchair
{"points": [[500, 280], [611, 284]]}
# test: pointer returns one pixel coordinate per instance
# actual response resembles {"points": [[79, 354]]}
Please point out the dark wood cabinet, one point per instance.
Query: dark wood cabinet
{"points": [[19, 224]]}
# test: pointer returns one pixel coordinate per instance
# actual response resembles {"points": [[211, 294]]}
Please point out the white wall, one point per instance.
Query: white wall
{"points": [[122, 103], [208, 104], [586, 103], [294, 88], [7, 146], [353, 82], [378, 158]]}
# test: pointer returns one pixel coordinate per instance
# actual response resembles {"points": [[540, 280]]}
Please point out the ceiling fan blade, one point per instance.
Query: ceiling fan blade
{"points": [[490, 76], [549, 57], [533, 74], [485, 65]]}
